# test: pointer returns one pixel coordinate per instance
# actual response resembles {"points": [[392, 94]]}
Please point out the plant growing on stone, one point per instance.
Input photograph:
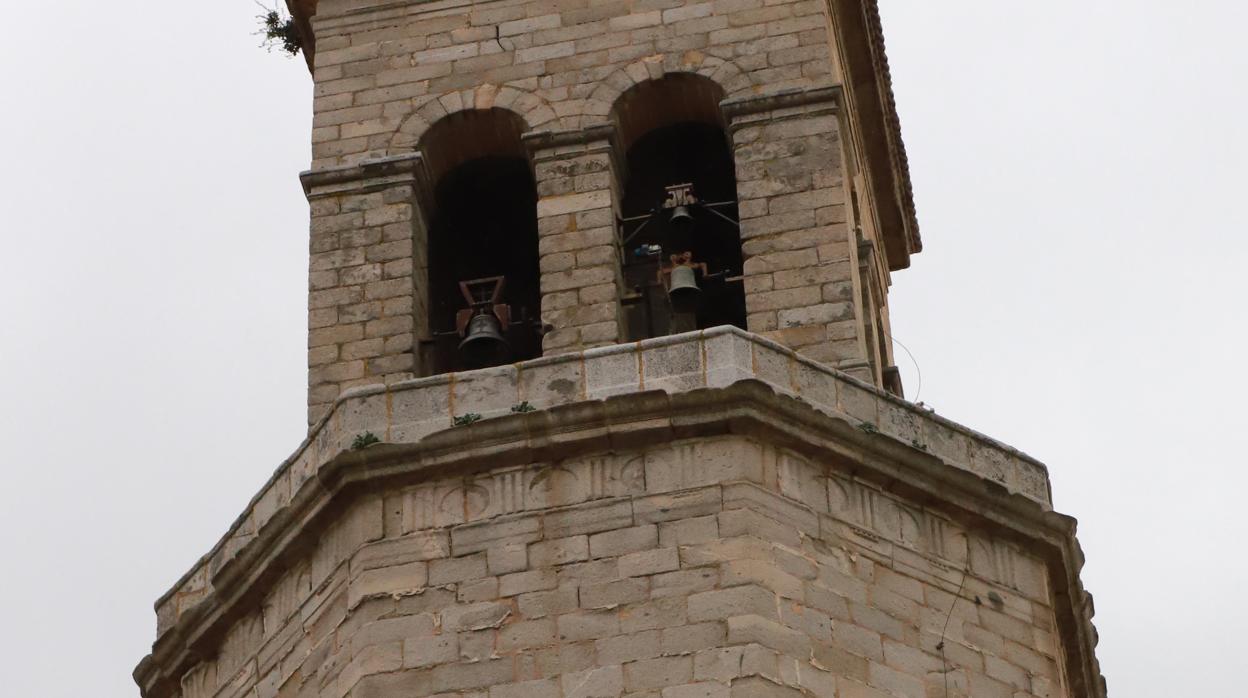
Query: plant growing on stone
{"points": [[364, 440], [464, 420], [523, 407], [278, 30]]}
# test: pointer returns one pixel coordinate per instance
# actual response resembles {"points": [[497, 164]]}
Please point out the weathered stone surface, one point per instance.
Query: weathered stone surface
{"points": [[709, 515], [609, 612]]}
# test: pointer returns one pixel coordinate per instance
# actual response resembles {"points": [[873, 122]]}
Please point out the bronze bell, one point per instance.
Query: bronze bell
{"points": [[681, 216], [483, 343], [684, 290]]}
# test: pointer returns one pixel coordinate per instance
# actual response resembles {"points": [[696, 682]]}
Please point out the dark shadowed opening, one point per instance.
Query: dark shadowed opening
{"points": [[674, 135], [483, 224]]}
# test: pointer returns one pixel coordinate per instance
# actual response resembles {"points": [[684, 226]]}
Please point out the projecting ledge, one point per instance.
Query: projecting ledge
{"points": [[715, 358], [600, 397]]}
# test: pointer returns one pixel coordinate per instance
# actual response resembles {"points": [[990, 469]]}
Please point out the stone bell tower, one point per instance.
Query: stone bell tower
{"points": [[601, 391]]}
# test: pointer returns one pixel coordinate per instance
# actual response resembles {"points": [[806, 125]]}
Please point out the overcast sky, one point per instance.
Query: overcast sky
{"points": [[1078, 171]]}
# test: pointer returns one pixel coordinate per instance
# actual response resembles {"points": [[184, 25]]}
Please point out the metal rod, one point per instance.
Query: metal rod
{"points": [[625, 241], [637, 218], [725, 217]]}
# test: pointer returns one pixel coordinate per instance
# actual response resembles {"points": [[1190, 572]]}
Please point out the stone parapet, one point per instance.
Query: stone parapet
{"points": [[409, 411], [624, 444]]}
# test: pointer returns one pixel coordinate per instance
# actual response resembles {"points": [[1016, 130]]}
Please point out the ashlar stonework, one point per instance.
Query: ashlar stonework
{"points": [[753, 523], [814, 218], [638, 498]]}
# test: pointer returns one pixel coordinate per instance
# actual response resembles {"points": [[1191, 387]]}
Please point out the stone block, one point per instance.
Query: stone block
{"points": [[393, 684], [762, 573], [662, 612], [396, 580], [483, 589], [700, 529], [485, 535], [683, 582], [858, 640], [426, 652], [387, 630], [526, 634], [559, 551], [592, 572], [475, 616], [457, 569], [678, 505], [702, 689], [622, 541], [628, 648], [688, 639], [531, 580], [649, 674], [721, 604], [539, 604], [539, 688], [502, 558], [588, 625], [614, 594], [558, 660], [591, 517], [599, 682], [469, 675], [768, 633], [648, 562], [758, 687], [701, 463]]}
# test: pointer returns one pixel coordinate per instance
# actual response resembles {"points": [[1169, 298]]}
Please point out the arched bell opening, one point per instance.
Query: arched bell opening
{"points": [[483, 293], [682, 244]]}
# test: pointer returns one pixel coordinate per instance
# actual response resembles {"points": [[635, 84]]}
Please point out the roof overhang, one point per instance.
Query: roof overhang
{"points": [[303, 11], [870, 103]]}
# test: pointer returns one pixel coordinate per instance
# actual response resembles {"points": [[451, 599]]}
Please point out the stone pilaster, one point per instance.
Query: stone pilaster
{"points": [[579, 258], [800, 262], [361, 284]]}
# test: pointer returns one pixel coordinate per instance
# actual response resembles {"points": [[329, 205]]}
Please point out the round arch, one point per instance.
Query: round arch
{"points": [[726, 74], [532, 110]]}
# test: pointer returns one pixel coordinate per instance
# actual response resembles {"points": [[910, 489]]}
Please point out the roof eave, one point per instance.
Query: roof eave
{"points": [[869, 90]]}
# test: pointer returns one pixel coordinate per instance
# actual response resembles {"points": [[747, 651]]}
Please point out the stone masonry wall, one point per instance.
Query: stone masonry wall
{"points": [[580, 267], [800, 272], [717, 567], [362, 280], [385, 73]]}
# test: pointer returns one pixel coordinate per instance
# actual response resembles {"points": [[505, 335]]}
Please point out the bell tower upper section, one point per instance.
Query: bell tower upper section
{"points": [[500, 180]]}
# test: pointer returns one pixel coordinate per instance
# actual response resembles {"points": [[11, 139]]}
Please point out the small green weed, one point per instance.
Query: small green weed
{"points": [[364, 440]]}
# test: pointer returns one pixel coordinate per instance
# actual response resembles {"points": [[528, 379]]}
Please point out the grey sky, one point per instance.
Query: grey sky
{"points": [[1077, 168]]}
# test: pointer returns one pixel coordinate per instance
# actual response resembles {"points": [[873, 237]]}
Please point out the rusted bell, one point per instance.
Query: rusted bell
{"points": [[684, 290]]}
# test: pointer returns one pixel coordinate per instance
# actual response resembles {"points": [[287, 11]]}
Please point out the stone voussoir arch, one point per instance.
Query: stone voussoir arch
{"points": [[532, 109], [725, 73]]}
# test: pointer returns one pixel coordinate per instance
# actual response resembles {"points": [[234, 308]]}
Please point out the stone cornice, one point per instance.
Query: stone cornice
{"points": [[777, 103], [618, 423], [873, 111], [549, 139], [740, 384], [367, 175]]}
